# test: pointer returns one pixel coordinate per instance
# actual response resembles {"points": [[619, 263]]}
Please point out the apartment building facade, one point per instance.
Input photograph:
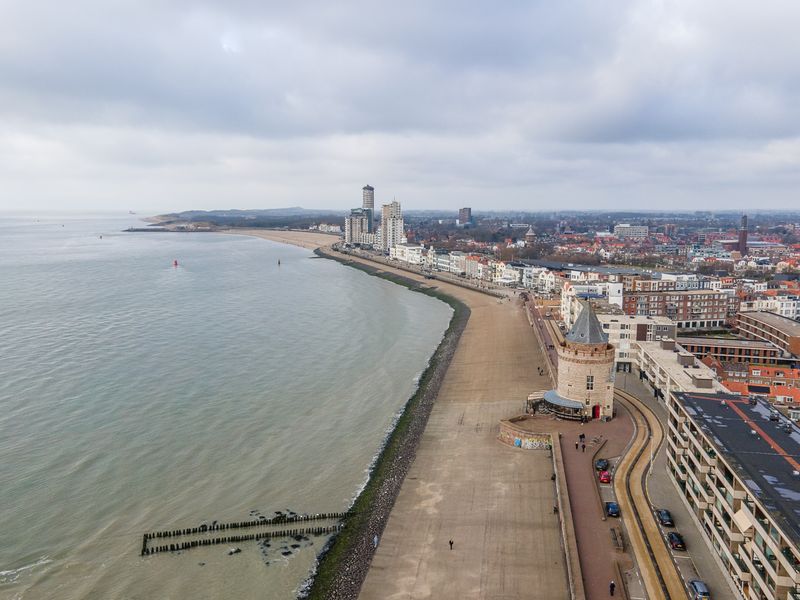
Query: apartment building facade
{"points": [[624, 331], [770, 327], [744, 493], [690, 309], [732, 350]]}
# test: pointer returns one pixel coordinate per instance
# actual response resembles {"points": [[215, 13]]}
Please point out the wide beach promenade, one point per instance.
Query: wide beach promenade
{"points": [[494, 502]]}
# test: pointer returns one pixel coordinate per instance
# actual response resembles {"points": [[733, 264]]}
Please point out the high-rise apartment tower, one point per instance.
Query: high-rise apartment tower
{"points": [[368, 204], [391, 225]]}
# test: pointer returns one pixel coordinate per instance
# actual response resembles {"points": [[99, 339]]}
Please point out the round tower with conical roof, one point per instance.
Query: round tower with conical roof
{"points": [[585, 371]]}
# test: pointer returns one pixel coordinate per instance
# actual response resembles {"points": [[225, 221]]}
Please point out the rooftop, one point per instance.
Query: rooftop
{"points": [[703, 292], [783, 324], [727, 342], [765, 461], [601, 269], [587, 329], [655, 320], [689, 378]]}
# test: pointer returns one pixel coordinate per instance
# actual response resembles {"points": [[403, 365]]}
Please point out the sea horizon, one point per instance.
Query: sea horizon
{"points": [[143, 396]]}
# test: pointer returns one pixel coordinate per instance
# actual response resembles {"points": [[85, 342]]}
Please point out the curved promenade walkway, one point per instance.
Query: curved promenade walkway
{"points": [[493, 501]]}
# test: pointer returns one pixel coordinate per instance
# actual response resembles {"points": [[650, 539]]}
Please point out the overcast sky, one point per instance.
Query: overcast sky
{"points": [[168, 105]]}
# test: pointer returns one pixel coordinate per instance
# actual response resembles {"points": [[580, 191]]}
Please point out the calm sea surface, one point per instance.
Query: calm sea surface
{"points": [[137, 396]]}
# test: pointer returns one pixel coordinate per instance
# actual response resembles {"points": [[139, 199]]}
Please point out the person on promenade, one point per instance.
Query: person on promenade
{"points": [[451, 544], [576, 445], [611, 587]]}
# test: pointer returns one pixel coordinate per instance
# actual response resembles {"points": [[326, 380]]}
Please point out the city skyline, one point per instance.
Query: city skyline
{"points": [[211, 105]]}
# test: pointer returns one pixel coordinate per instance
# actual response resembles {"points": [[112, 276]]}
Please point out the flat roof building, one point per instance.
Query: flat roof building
{"points": [[666, 367], [733, 350], [626, 230], [735, 463], [770, 327], [624, 331], [690, 309]]}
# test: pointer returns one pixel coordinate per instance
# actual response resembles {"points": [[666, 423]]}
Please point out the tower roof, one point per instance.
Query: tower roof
{"points": [[587, 329]]}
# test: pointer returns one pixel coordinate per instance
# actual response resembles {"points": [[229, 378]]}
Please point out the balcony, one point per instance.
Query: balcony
{"points": [[740, 568], [764, 561], [729, 533], [698, 462], [673, 444], [761, 525], [756, 570], [697, 497], [790, 562]]}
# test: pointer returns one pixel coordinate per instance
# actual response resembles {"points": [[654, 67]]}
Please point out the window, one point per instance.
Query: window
{"points": [[590, 382]]}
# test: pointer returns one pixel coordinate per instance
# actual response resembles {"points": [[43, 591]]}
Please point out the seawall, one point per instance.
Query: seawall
{"points": [[343, 565]]}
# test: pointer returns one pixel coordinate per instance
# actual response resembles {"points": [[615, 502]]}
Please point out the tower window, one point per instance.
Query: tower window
{"points": [[590, 382]]}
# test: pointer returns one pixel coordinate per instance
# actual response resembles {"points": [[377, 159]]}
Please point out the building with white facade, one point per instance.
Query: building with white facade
{"points": [[572, 294], [540, 279], [626, 331], [510, 274], [411, 254], [683, 281], [392, 230], [785, 306], [625, 230], [666, 367]]}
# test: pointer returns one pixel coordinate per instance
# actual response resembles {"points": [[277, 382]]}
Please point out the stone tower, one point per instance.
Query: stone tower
{"points": [[585, 371]]}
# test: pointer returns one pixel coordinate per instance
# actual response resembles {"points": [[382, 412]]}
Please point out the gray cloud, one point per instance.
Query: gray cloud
{"points": [[522, 105]]}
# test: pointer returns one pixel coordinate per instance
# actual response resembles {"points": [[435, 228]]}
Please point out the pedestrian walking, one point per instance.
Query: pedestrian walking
{"points": [[451, 544], [583, 447], [611, 587], [576, 445]]}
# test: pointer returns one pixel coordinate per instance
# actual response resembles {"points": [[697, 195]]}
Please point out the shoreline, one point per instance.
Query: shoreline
{"points": [[343, 564]]}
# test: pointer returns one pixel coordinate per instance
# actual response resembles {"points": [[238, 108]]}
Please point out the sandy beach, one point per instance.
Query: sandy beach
{"points": [[494, 502], [304, 239]]}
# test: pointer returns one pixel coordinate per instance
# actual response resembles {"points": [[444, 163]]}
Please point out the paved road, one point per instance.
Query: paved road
{"points": [[657, 569], [697, 561]]}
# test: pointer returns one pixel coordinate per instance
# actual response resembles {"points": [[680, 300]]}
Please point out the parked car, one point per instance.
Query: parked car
{"points": [[605, 477], [675, 540], [699, 590], [665, 517], [612, 509], [601, 464]]}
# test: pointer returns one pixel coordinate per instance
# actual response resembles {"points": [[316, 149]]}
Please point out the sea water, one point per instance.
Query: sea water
{"points": [[137, 396]]}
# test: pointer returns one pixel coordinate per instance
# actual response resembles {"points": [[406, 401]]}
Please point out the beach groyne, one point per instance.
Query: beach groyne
{"points": [[343, 565], [209, 535]]}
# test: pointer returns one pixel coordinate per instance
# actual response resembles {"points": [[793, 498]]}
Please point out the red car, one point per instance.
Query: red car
{"points": [[605, 477]]}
